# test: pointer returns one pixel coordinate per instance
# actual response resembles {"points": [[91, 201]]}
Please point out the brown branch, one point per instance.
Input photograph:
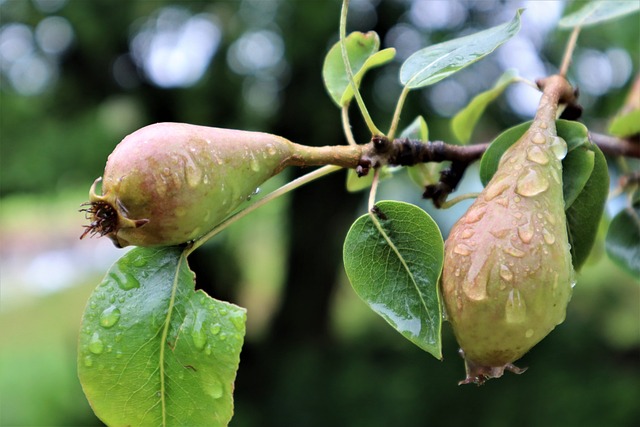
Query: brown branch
{"points": [[614, 146]]}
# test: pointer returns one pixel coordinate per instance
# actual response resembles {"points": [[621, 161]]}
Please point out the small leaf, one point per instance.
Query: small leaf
{"points": [[623, 237], [394, 264], [154, 352], [465, 121], [432, 64], [363, 54], [357, 183], [576, 170], [599, 11], [625, 125], [584, 214]]}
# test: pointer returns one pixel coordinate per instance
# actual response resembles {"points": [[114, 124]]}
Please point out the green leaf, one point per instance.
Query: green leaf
{"points": [[584, 214], [358, 183], [152, 351], [394, 264], [576, 170], [465, 121], [596, 12], [622, 241], [363, 54], [432, 64], [626, 125]]}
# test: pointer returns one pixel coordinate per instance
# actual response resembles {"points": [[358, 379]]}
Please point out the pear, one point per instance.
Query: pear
{"points": [[508, 275], [170, 183]]}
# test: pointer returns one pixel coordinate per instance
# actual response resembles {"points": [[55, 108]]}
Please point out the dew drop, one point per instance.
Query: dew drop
{"points": [[255, 164], [496, 188], [223, 336], [215, 328], [467, 233], [126, 281], [528, 333], [110, 317], [88, 361], [271, 149], [238, 322], [205, 179], [526, 233], [538, 138], [500, 233], [198, 334], [193, 176], [96, 346], [515, 309], [537, 155], [548, 236], [214, 389], [180, 211], [505, 273], [462, 249], [475, 214], [543, 125], [558, 147], [531, 183], [514, 251]]}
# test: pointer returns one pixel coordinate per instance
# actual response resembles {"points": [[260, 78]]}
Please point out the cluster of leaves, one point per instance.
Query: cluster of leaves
{"points": [[152, 351]]}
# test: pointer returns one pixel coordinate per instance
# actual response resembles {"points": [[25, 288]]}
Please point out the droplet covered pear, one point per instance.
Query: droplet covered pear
{"points": [[507, 274], [170, 183]]}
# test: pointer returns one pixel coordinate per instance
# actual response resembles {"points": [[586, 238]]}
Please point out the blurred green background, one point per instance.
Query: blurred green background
{"points": [[77, 76]]}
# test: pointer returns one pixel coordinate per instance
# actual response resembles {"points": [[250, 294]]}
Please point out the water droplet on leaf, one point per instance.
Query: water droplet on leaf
{"points": [[96, 346], [125, 280], [110, 316]]}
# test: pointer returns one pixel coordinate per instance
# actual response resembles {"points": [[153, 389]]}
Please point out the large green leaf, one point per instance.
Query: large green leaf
{"points": [[623, 239], [596, 12], [152, 351], [465, 121], [584, 214], [394, 264], [432, 64], [363, 54]]}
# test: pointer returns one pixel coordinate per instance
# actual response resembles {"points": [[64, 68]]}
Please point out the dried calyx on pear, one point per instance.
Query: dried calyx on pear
{"points": [[508, 275], [170, 183]]}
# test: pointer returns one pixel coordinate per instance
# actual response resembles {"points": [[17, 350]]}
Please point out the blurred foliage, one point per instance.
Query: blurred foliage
{"points": [[316, 356]]}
